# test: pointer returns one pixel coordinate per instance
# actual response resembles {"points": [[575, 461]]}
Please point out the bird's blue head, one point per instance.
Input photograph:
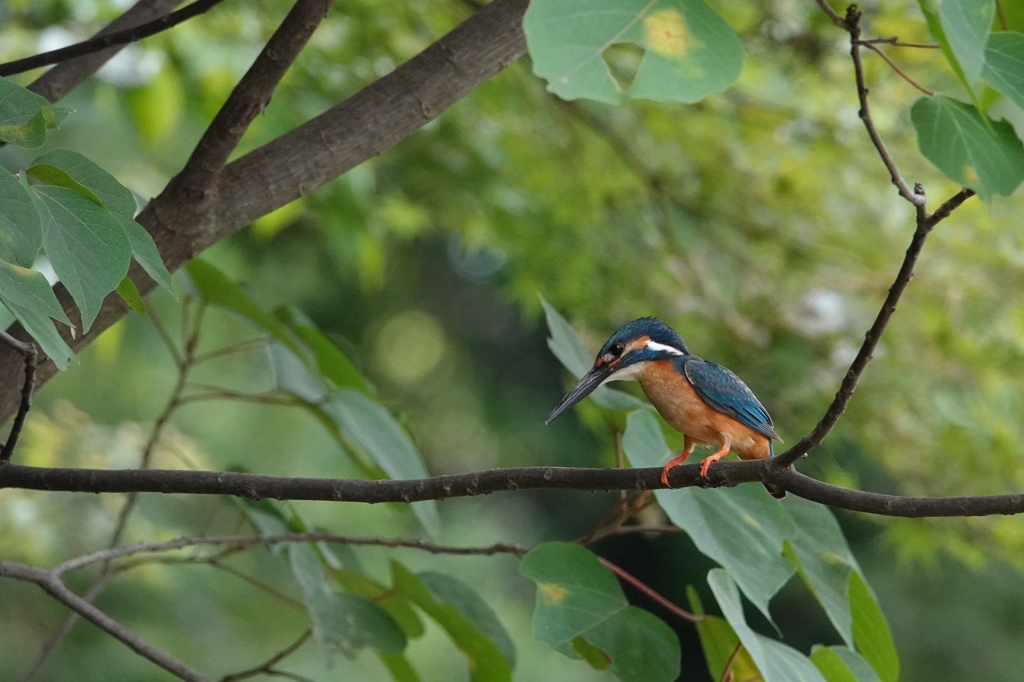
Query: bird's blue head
{"points": [[623, 357]]}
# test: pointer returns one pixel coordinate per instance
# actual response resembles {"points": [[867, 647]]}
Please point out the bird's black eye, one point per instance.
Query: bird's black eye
{"points": [[616, 349]]}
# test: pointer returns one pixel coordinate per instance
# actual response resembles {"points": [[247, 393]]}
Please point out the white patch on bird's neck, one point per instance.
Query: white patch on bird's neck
{"points": [[628, 373], [654, 345]]}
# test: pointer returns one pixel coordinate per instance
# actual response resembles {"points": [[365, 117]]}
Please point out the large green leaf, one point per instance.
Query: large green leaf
{"points": [[582, 612], [823, 559], [21, 235], [469, 621], [741, 528], [566, 345], [967, 24], [87, 247], [375, 430], [988, 157], [145, 252], [341, 621], [65, 168], [397, 605], [690, 52], [719, 642], [216, 288], [871, 632], [840, 664], [930, 10], [330, 359], [25, 116], [1004, 65], [776, 661], [28, 296]]}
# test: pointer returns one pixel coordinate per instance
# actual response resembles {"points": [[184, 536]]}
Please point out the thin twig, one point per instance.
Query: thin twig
{"points": [[107, 40], [650, 592], [852, 25], [267, 667], [896, 42], [732, 659], [256, 539], [898, 70], [833, 15], [31, 355], [53, 586]]}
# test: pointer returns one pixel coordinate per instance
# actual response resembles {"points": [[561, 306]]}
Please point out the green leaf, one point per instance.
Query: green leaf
{"points": [[1004, 65], [397, 605], [215, 288], [776, 661], [65, 168], [570, 351], [471, 624], [840, 664], [967, 24], [21, 235], [987, 157], [577, 597], [719, 642], [331, 360], [690, 52], [930, 9], [28, 296], [87, 247], [454, 593], [130, 295], [823, 559], [741, 528], [341, 621], [25, 116], [145, 252], [379, 435], [871, 632], [48, 174]]}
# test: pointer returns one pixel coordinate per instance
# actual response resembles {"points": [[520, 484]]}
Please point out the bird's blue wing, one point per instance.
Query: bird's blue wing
{"points": [[726, 392]]}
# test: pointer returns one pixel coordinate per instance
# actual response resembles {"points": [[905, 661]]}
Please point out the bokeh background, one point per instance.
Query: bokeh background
{"points": [[759, 222]]}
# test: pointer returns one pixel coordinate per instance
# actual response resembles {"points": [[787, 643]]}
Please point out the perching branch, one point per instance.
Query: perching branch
{"points": [[925, 223], [267, 667], [105, 40], [257, 486], [53, 586]]}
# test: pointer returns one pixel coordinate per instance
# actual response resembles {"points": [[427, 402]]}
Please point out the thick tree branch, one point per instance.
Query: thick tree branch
{"points": [[108, 38], [66, 76], [253, 92], [256, 486], [306, 158], [53, 586]]}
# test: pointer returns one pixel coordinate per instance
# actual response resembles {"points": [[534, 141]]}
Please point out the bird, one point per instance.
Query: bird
{"points": [[703, 400]]}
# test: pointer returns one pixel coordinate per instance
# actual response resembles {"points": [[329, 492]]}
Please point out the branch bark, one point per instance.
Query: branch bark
{"points": [[257, 486], [297, 163]]}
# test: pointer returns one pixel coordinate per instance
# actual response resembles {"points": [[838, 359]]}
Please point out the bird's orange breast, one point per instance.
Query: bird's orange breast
{"points": [[681, 406]]}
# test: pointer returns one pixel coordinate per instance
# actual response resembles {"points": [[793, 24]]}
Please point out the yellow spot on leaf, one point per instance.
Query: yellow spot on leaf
{"points": [[750, 521], [552, 593], [970, 175], [666, 33]]}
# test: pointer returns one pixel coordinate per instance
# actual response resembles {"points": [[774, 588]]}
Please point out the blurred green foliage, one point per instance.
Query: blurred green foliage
{"points": [[759, 222]]}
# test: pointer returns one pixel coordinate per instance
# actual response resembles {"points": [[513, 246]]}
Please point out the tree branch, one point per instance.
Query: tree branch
{"points": [[28, 349], [53, 586], [244, 540], [66, 76], [304, 159], [257, 486], [267, 666], [108, 38], [253, 92]]}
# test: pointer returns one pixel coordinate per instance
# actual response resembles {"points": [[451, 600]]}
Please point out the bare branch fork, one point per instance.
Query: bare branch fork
{"points": [[925, 222]]}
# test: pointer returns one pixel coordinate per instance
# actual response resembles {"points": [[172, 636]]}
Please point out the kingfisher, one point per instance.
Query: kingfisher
{"points": [[704, 401]]}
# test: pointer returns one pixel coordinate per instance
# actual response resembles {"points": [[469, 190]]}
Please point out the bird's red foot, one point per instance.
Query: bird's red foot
{"points": [[711, 459], [674, 463]]}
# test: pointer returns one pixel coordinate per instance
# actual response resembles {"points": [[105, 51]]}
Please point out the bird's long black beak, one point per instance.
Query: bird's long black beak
{"points": [[581, 390]]}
